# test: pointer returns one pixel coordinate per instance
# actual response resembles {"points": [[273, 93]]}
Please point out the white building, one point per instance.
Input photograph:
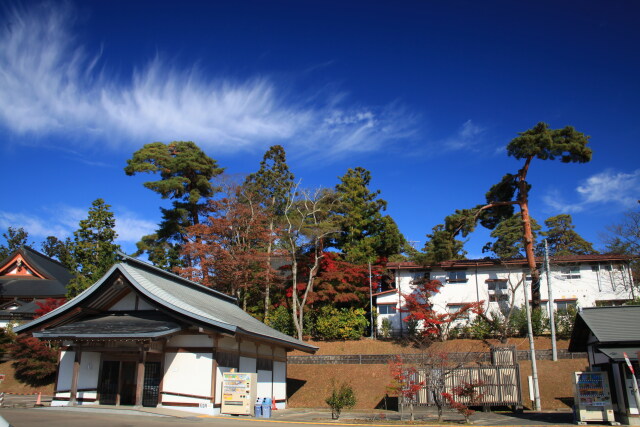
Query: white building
{"points": [[580, 280], [142, 336]]}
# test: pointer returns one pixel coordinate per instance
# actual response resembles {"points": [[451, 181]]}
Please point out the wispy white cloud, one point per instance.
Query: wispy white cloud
{"points": [[62, 221], [466, 137], [51, 84], [618, 190]]}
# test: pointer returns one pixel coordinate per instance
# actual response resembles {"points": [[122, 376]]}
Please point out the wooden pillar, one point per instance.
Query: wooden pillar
{"points": [[214, 369], [74, 378], [140, 375]]}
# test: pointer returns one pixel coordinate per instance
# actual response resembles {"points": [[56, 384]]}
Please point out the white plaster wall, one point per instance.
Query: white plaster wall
{"points": [[65, 370], [592, 286], [143, 305], [280, 382], [190, 341], [127, 303], [264, 388], [247, 364], [227, 343], [188, 373], [89, 368]]}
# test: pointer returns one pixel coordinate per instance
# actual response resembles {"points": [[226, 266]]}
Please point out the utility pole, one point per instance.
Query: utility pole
{"points": [[554, 350], [534, 368], [373, 327]]}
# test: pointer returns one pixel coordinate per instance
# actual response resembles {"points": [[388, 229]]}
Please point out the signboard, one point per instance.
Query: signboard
{"points": [[238, 393]]}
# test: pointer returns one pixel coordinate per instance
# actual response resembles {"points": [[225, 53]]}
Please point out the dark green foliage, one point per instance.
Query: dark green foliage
{"points": [[365, 234], [62, 250], [340, 324], [280, 320], [441, 245], [342, 396], [562, 239], [539, 322], [7, 339], [273, 181], [548, 144], [94, 250], [15, 238], [35, 362], [185, 177], [508, 235]]}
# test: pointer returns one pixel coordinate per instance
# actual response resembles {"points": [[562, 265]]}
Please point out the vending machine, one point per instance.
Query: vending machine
{"points": [[238, 393], [593, 398]]}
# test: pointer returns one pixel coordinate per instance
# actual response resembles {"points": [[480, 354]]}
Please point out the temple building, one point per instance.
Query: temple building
{"points": [[26, 278], [142, 336]]}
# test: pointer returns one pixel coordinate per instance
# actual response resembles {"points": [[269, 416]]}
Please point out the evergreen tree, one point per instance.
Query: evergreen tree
{"points": [[15, 238], [94, 250], [440, 246], [508, 235], [271, 185], [562, 239], [365, 234], [185, 177], [62, 250]]}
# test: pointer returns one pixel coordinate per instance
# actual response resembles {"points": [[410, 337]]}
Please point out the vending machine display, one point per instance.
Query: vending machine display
{"points": [[593, 398], [238, 393]]}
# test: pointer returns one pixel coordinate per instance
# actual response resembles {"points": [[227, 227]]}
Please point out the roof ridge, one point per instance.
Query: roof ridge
{"points": [[174, 276]]}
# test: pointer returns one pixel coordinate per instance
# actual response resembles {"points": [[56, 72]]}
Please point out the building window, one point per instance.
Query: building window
{"points": [[497, 284], [386, 309], [263, 364], [498, 298], [570, 272], [457, 276], [454, 308], [228, 360], [563, 306]]}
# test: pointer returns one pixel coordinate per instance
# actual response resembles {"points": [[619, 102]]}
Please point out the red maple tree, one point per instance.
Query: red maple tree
{"points": [[228, 249], [405, 383], [433, 324], [48, 305]]}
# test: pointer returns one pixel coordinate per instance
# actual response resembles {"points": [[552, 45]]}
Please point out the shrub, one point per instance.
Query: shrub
{"points": [[564, 321], [341, 397], [412, 328], [280, 320], [344, 324], [539, 321], [35, 362], [480, 329], [385, 328]]}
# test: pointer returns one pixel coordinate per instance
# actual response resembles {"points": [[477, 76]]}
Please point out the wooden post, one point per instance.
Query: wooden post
{"points": [[140, 376], [74, 378], [214, 369]]}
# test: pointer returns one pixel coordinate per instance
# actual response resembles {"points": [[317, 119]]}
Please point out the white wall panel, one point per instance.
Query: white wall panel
{"points": [[247, 364], [188, 373]]}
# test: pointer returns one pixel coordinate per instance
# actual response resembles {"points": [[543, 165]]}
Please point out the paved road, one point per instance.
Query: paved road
{"points": [[83, 417]]}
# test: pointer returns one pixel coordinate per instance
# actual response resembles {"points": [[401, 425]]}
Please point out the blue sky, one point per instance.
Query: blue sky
{"points": [[424, 94]]}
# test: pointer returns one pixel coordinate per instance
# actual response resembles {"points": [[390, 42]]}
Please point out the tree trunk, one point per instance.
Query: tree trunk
{"points": [[267, 288], [523, 201]]}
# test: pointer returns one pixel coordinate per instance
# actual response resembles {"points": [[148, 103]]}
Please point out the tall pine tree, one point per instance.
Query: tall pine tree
{"points": [[94, 247]]}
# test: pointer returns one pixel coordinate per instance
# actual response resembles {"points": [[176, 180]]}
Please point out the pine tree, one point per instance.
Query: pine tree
{"points": [[508, 235], [15, 238], [94, 250], [185, 177], [365, 234], [562, 239]]}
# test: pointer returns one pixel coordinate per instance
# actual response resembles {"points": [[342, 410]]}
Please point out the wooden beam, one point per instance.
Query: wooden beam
{"points": [[140, 376], [74, 378]]}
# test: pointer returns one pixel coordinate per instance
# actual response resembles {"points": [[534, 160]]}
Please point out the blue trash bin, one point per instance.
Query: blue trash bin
{"points": [[257, 408], [266, 407]]}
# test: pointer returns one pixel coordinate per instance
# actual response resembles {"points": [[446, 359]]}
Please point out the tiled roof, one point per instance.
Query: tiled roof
{"points": [[54, 285], [610, 325], [188, 299], [461, 263]]}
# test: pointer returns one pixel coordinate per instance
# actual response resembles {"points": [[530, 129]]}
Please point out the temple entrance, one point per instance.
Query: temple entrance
{"points": [[117, 384]]}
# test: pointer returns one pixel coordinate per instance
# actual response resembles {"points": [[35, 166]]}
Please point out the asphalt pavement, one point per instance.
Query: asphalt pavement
{"points": [[99, 416]]}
